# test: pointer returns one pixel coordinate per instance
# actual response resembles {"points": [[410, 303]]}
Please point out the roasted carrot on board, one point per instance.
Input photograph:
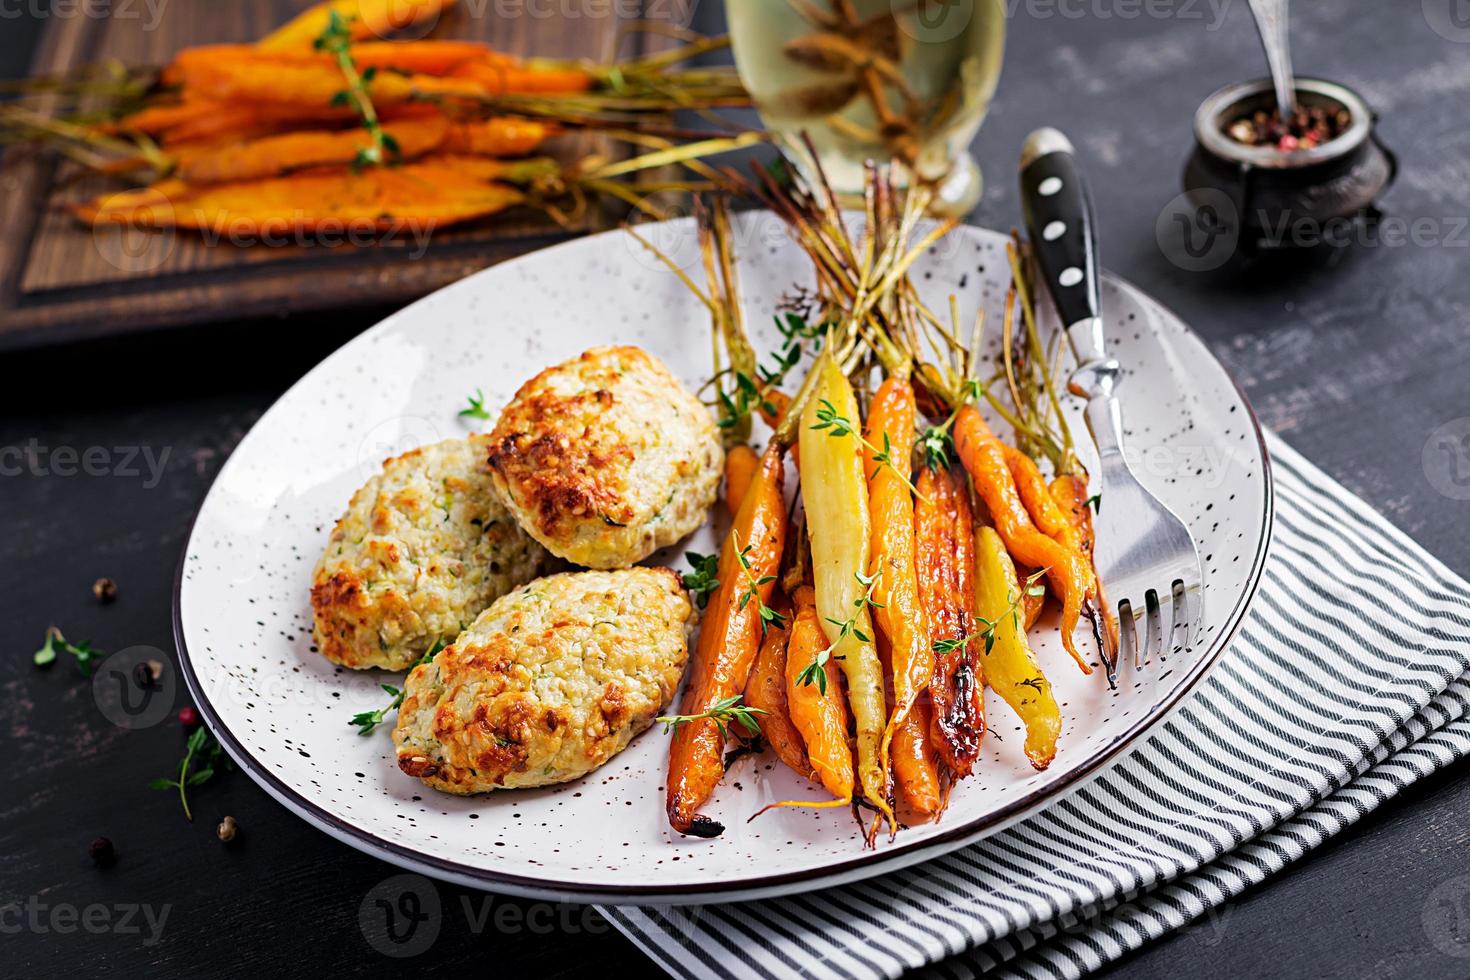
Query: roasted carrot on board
{"points": [[889, 434], [729, 639], [1011, 670], [766, 692], [364, 19], [432, 193], [1068, 571], [945, 536], [835, 493]]}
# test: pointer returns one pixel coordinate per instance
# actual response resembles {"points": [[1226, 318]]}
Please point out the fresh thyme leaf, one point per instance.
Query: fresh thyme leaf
{"points": [[769, 617], [838, 425], [815, 672], [366, 721], [952, 644], [937, 442], [476, 409], [723, 711], [336, 40], [1095, 502], [201, 751], [55, 643], [704, 578]]}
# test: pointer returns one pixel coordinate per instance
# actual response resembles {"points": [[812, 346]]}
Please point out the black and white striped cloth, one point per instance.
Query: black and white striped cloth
{"points": [[1348, 683]]}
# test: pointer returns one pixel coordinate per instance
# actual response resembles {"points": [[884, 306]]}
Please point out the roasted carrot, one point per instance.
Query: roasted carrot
{"points": [[896, 609], [765, 691], [727, 645], [817, 710], [1011, 670], [363, 18], [272, 156], [945, 535], [433, 193], [741, 464], [1070, 492], [835, 493], [1066, 570], [497, 77]]}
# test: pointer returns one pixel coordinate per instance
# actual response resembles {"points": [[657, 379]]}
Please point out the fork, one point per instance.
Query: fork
{"points": [[1145, 555]]}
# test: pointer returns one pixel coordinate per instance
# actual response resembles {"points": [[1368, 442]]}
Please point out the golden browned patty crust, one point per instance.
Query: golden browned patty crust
{"points": [[606, 458], [549, 683], [423, 548]]}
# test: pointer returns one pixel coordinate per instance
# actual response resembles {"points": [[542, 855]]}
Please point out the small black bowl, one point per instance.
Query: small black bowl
{"points": [[1286, 199]]}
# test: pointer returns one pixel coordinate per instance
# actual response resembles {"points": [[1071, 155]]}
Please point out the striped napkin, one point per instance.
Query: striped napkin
{"points": [[1346, 684]]}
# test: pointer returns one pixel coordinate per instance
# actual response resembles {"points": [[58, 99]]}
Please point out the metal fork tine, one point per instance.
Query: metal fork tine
{"points": [[1128, 635], [1179, 631], [1154, 624]]}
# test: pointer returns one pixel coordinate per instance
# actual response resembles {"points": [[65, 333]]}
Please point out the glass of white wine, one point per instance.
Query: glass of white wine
{"points": [[881, 80]]}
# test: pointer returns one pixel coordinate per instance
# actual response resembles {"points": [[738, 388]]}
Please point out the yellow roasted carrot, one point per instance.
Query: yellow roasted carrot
{"points": [[363, 18], [835, 493], [1011, 670]]}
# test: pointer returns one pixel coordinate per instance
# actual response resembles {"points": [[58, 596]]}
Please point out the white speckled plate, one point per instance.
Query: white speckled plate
{"points": [[243, 617]]}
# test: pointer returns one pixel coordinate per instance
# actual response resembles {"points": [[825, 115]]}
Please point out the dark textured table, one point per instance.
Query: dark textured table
{"points": [[1356, 358]]}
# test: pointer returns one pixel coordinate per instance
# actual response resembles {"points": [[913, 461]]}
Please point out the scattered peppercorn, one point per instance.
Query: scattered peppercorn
{"points": [[102, 852], [105, 589], [226, 829], [189, 718]]}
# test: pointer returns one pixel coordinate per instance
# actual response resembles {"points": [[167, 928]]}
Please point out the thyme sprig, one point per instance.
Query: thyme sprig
{"points": [[366, 721], [336, 40], [769, 617], [1032, 587], [838, 425], [476, 409], [203, 755], [55, 643], [815, 672], [721, 713]]}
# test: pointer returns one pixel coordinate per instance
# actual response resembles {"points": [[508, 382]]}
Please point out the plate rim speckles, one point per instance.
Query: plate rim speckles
{"points": [[860, 864]]}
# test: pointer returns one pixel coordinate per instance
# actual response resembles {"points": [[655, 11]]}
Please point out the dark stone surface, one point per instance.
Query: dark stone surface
{"points": [[1356, 358]]}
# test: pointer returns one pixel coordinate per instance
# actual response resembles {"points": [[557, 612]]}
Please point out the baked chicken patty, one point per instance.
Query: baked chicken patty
{"points": [[549, 683], [423, 548], [606, 458]]}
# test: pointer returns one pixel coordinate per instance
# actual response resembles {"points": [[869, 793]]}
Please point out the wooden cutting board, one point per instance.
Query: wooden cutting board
{"points": [[60, 281]]}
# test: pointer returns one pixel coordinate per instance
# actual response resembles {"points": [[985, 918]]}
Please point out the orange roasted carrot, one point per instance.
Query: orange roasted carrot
{"points": [[1066, 569], [497, 77], [896, 610], [727, 644], [818, 711], [430, 194], [766, 692], [741, 463], [944, 529], [363, 19], [1070, 492], [497, 137]]}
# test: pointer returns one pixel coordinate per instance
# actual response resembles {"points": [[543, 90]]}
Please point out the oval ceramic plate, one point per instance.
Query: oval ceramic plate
{"points": [[243, 617]]}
